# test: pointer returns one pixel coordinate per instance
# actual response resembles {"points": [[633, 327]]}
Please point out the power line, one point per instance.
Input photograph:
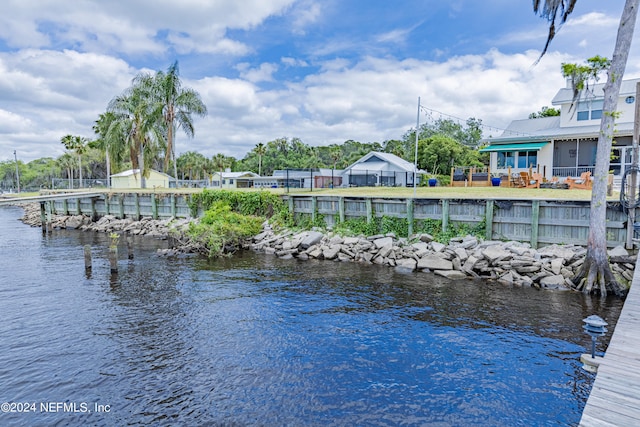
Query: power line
{"points": [[430, 113]]}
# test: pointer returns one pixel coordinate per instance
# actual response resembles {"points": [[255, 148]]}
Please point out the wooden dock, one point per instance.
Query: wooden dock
{"points": [[615, 396]]}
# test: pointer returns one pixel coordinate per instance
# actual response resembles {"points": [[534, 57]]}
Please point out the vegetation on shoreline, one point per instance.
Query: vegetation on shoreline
{"points": [[232, 217]]}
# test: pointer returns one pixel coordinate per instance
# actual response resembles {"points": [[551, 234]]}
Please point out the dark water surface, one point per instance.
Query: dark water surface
{"points": [[254, 340]]}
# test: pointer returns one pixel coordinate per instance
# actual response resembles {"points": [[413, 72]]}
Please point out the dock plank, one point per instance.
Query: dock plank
{"points": [[615, 396]]}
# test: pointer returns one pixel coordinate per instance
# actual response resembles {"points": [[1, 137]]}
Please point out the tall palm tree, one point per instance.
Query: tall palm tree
{"points": [[113, 145], [178, 105], [68, 163], [596, 273], [79, 145], [138, 119], [260, 151]]}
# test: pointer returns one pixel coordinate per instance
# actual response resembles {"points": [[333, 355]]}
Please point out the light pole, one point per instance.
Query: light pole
{"points": [[15, 156], [415, 162]]}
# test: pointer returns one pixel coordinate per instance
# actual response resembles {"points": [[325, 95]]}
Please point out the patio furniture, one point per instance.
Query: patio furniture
{"points": [[582, 183]]}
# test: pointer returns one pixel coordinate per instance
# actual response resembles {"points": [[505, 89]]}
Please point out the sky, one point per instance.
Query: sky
{"points": [[323, 71]]}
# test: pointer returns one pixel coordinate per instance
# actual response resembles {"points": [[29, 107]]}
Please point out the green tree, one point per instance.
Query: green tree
{"points": [[77, 144], [596, 273], [438, 153], [179, 104], [260, 151], [138, 118], [545, 112]]}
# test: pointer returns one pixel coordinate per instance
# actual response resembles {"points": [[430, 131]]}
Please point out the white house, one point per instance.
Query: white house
{"points": [[131, 179], [565, 145], [380, 169], [233, 180]]}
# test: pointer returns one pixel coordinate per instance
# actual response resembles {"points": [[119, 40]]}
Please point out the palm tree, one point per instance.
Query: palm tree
{"points": [[67, 162], [596, 273], [260, 151], [79, 145], [112, 144], [178, 105], [138, 119]]}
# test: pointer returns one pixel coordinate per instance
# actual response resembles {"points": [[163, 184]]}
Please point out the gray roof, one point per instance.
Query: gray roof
{"points": [[231, 175], [387, 157], [547, 128], [564, 95]]}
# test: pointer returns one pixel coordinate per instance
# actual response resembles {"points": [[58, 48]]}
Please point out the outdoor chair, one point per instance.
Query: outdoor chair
{"points": [[582, 183], [534, 180]]}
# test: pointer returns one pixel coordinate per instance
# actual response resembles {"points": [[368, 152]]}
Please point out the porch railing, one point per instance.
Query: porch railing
{"points": [[573, 171]]}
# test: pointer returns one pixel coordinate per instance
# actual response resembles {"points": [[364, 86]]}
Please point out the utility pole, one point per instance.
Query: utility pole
{"points": [[415, 165], [15, 156]]}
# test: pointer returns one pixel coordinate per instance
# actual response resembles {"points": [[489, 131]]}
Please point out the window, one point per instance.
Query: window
{"points": [[527, 158], [590, 110], [506, 159], [230, 181]]}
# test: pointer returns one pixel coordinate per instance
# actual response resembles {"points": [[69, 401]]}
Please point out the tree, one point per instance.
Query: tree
{"points": [[79, 145], [438, 153], [178, 105], [545, 112], [595, 274], [138, 119], [111, 143], [260, 151], [67, 162]]}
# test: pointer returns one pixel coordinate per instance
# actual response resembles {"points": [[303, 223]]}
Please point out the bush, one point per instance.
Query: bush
{"points": [[221, 230]]}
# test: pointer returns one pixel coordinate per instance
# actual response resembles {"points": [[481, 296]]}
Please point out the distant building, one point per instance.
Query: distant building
{"points": [[301, 178], [233, 180], [131, 179], [380, 169]]}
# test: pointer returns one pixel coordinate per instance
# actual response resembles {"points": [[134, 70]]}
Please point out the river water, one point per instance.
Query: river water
{"points": [[254, 340]]}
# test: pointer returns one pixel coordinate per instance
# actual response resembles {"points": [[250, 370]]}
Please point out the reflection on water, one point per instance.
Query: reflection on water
{"points": [[253, 340]]}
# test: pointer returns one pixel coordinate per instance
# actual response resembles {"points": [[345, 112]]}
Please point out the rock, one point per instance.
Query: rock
{"points": [[426, 238], [555, 251], [385, 250], [350, 241], [420, 246], [313, 238], [494, 252], [618, 251], [451, 274], [74, 222], [556, 265], [316, 252], [409, 264], [469, 264], [382, 242], [437, 246], [344, 257], [433, 262], [331, 252], [553, 282], [461, 253]]}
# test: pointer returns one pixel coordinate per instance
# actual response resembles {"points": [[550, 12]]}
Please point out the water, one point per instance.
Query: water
{"points": [[254, 340]]}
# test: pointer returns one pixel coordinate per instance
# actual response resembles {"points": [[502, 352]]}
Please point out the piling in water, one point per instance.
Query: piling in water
{"points": [[87, 258]]}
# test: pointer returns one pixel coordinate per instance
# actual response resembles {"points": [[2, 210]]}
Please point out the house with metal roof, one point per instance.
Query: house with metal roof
{"points": [[565, 146], [131, 179], [380, 169], [232, 180]]}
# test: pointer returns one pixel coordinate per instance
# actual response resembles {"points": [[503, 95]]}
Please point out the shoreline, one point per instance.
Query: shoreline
{"points": [[510, 263]]}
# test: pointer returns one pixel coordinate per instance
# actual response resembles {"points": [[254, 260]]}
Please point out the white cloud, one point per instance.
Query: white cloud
{"points": [[134, 27], [374, 99]]}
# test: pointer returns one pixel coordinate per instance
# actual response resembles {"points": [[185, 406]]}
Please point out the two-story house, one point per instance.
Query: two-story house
{"points": [[565, 145]]}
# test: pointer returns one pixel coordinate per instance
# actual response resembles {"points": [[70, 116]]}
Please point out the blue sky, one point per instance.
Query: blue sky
{"points": [[323, 71]]}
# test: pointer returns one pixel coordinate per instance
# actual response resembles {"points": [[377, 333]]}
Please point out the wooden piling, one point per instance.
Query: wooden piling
{"points": [[129, 246], [87, 258], [113, 259]]}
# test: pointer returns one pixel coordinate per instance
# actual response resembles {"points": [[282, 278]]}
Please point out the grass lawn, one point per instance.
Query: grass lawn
{"points": [[400, 192], [455, 193]]}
